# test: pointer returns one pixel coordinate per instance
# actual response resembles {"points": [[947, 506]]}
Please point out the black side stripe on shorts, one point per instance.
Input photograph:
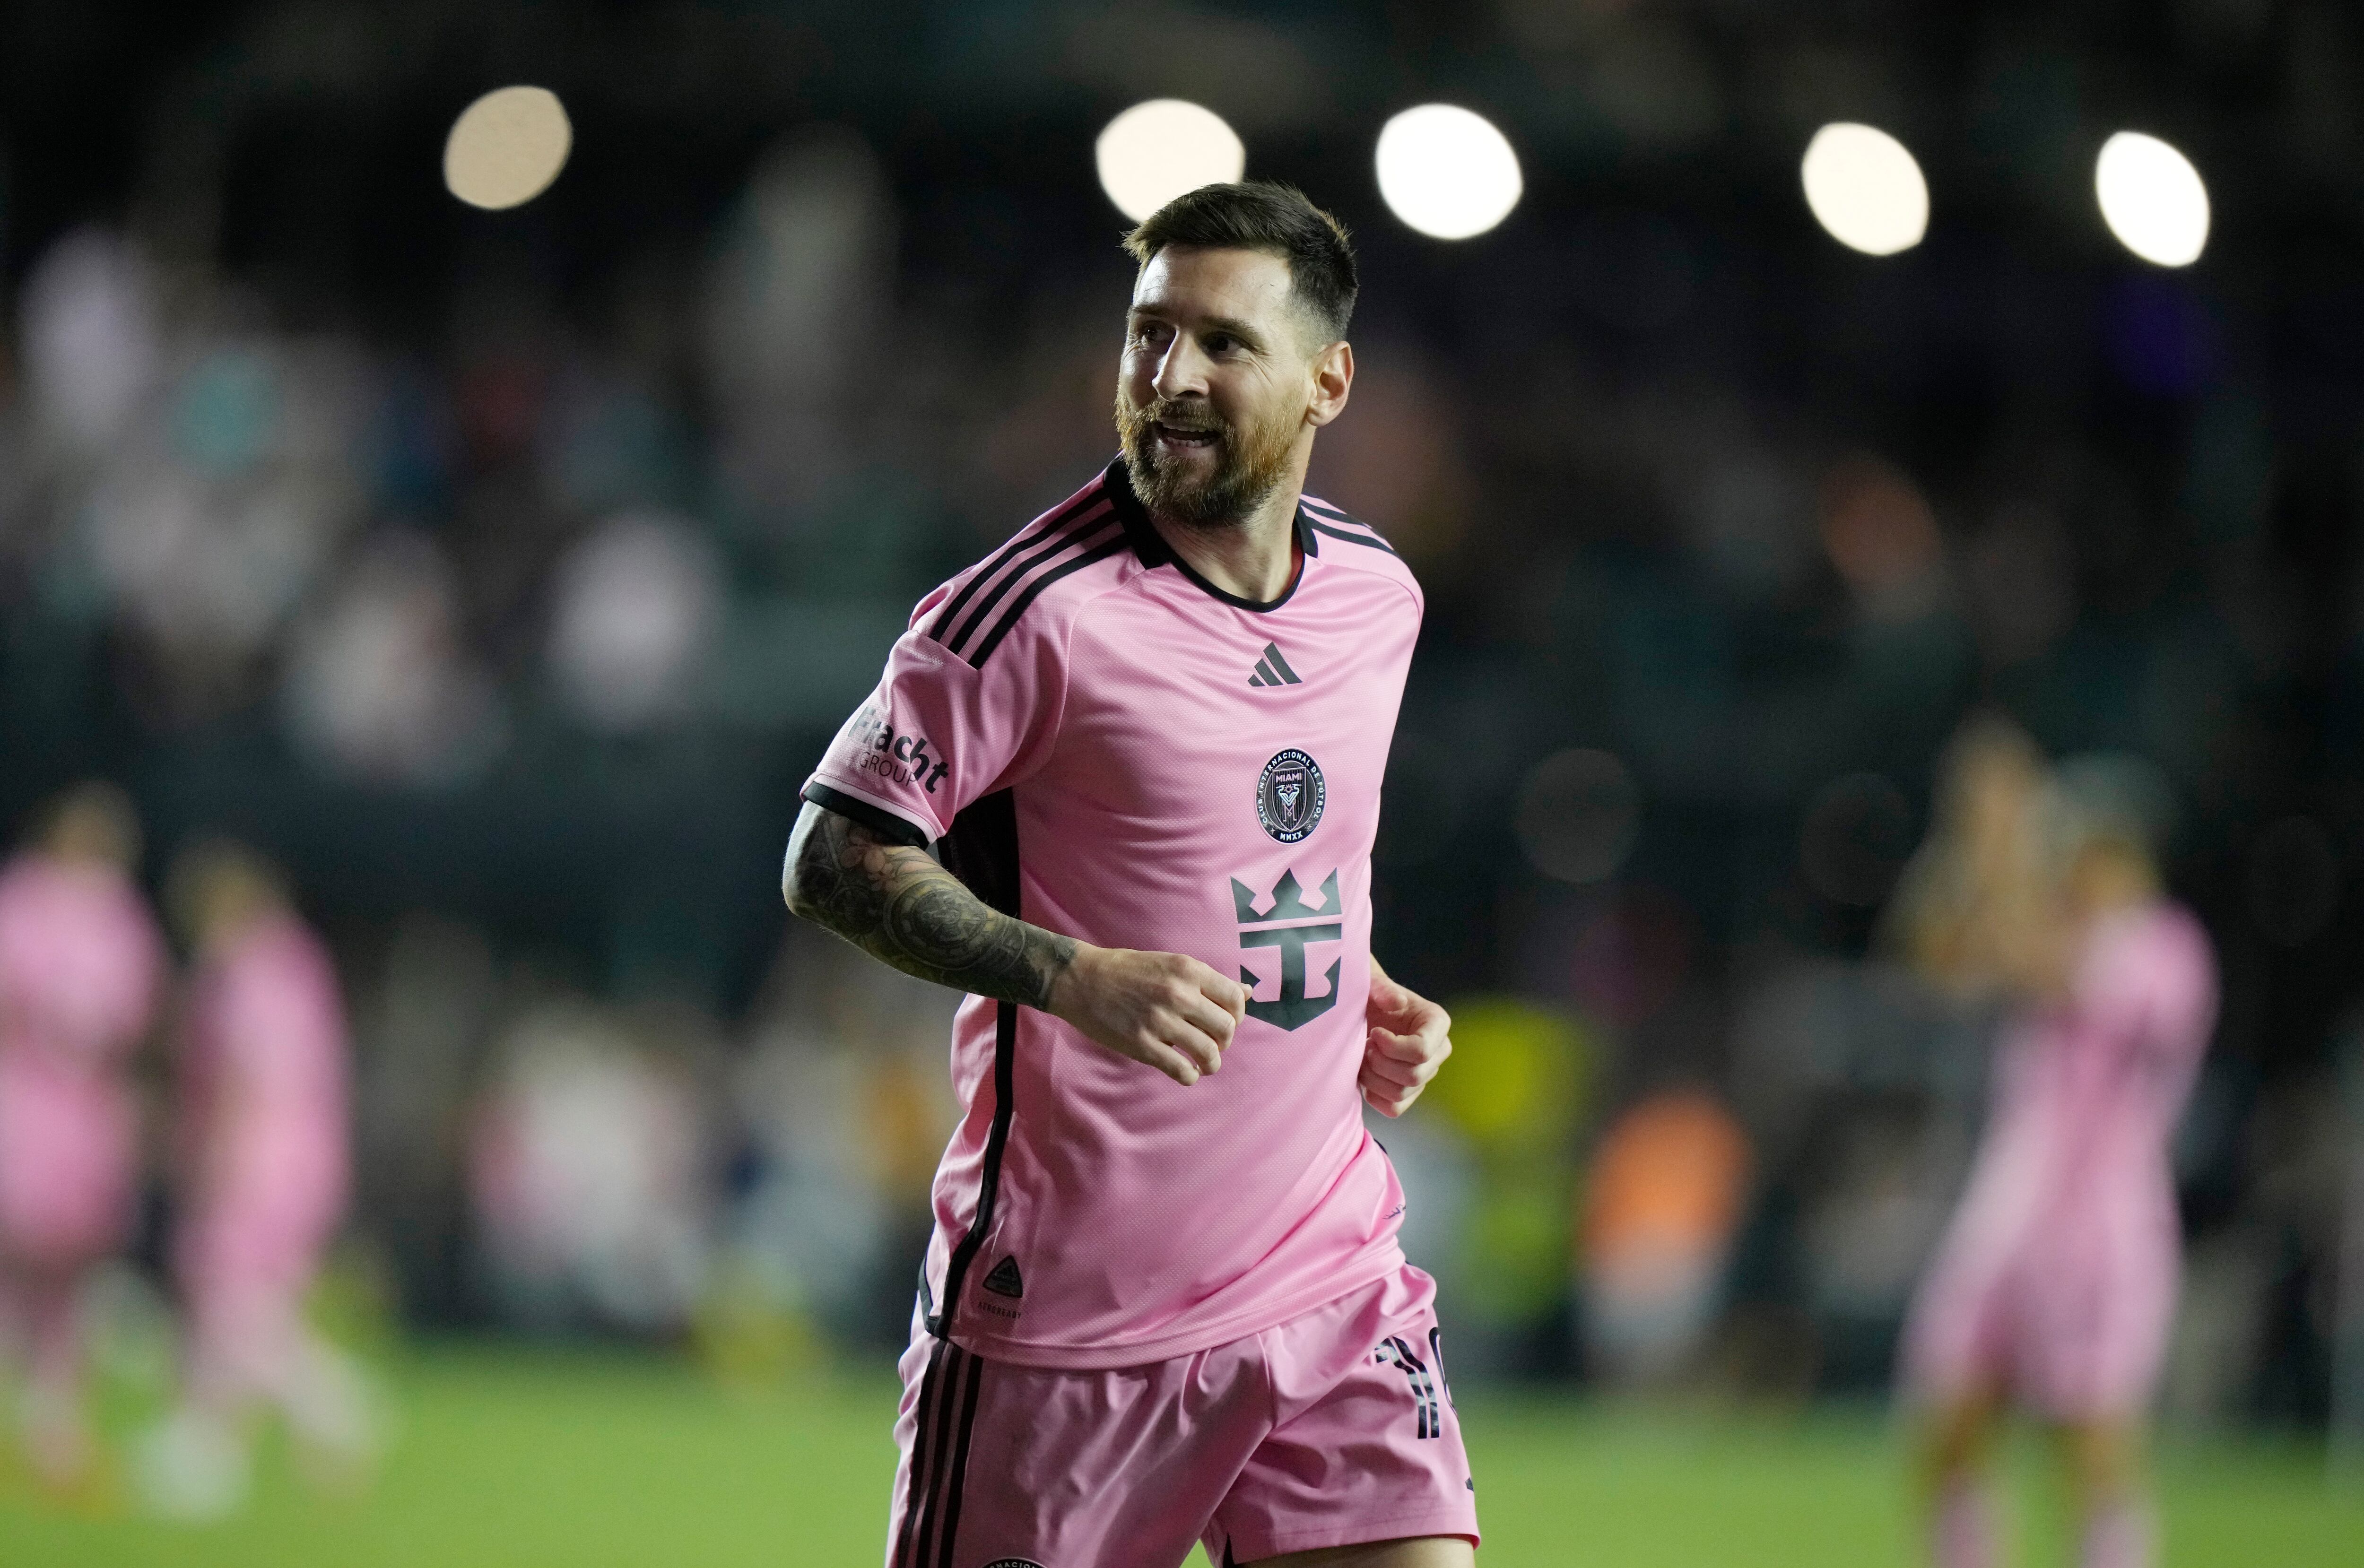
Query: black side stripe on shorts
{"points": [[918, 1478], [1005, 1075], [1374, 540], [939, 1468], [1024, 539], [958, 1479], [1431, 1420], [984, 650], [1090, 526], [1428, 1395]]}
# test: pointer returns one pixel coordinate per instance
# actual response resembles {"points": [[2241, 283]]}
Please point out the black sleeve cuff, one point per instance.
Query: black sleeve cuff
{"points": [[886, 824]]}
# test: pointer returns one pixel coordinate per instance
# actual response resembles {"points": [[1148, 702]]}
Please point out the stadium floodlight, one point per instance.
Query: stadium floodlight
{"points": [[2152, 198], [1155, 151], [1447, 173], [1865, 189], [506, 147]]}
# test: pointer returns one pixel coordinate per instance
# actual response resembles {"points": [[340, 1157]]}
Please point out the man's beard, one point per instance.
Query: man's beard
{"points": [[1246, 471]]}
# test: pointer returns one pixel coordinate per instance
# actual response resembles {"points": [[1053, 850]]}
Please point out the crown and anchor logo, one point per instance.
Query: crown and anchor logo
{"points": [[1262, 928]]}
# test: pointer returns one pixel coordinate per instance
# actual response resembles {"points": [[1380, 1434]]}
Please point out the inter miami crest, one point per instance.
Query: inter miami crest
{"points": [[1289, 796]]}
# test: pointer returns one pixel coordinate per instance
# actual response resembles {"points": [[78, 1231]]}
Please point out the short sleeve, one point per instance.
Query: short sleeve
{"points": [[939, 732]]}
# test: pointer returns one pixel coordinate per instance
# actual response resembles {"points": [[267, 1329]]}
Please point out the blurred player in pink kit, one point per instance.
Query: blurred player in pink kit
{"points": [[80, 966], [262, 1151], [2055, 1284]]}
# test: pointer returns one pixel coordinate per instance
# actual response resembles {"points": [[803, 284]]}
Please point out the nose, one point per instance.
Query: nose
{"points": [[1180, 370]]}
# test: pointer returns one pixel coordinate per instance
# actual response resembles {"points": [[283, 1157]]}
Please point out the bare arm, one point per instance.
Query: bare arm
{"points": [[896, 904]]}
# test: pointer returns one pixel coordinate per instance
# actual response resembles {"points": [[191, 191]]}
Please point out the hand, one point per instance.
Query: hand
{"points": [[1173, 1012], [1409, 1039]]}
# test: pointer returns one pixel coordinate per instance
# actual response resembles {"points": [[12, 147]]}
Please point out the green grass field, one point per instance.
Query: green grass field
{"points": [[534, 1459]]}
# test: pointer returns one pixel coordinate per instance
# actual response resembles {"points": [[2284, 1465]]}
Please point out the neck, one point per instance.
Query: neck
{"points": [[1255, 558]]}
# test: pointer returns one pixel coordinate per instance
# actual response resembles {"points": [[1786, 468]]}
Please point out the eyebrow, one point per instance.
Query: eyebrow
{"points": [[1230, 324]]}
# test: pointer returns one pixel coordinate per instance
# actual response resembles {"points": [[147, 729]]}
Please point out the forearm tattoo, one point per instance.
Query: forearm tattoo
{"points": [[897, 905]]}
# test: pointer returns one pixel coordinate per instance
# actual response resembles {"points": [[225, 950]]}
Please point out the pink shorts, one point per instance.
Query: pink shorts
{"points": [[1334, 1428], [2069, 1344]]}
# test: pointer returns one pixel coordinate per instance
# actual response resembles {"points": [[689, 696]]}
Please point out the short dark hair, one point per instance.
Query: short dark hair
{"points": [[1266, 216]]}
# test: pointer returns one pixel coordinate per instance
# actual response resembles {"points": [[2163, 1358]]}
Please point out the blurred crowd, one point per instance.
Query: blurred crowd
{"points": [[415, 566], [507, 629]]}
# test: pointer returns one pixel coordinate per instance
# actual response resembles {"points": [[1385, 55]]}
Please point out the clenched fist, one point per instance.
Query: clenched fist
{"points": [[1173, 1013], [1410, 1039]]}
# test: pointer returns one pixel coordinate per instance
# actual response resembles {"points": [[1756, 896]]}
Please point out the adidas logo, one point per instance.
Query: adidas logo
{"points": [[1005, 1279], [1272, 670]]}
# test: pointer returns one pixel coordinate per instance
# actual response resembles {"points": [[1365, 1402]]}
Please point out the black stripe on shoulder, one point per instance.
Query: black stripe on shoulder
{"points": [[1093, 526], [1029, 535], [1102, 551], [1333, 513], [886, 824], [1351, 537]]}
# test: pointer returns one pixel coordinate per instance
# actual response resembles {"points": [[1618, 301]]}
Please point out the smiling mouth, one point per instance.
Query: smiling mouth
{"points": [[1175, 434]]}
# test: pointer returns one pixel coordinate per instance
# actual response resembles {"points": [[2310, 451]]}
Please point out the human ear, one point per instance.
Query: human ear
{"points": [[1334, 378]]}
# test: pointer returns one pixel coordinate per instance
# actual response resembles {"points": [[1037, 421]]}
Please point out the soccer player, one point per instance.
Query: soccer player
{"points": [[81, 969], [1164, 1300], [2055, 1284], [264, 1167]]}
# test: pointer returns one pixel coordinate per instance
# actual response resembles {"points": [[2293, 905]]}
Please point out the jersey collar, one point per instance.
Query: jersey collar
{"points": [[1150, 547]]}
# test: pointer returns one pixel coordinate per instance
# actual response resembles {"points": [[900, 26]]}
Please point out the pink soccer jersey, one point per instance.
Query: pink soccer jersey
{"points": [[1105, 744], [2058, 1273], [81, 963], [264, 1125]]}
